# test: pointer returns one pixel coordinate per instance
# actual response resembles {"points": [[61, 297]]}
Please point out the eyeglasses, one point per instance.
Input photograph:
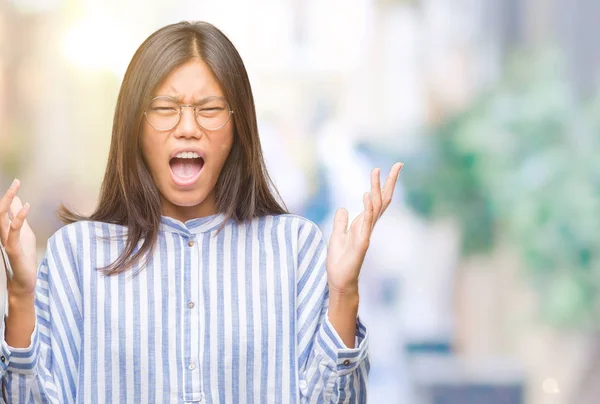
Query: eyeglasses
{"points": [[164, 113]]}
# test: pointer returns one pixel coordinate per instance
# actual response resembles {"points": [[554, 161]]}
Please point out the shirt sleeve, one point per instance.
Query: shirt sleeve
{"points": [[329, 371], [46, 370]]}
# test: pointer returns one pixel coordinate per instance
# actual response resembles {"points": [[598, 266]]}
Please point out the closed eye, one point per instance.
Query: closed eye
{"points": [[163, 109]]}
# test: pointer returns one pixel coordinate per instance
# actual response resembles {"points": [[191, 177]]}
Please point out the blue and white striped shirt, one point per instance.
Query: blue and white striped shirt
{"points": [[234, 317]]}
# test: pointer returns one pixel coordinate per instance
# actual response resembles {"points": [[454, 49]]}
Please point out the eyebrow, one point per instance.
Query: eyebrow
{"points": [[179, 98], [171, 93]]}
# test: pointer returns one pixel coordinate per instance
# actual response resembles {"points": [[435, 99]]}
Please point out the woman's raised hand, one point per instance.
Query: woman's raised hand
{"points": [[19, 242], [348, 246]]}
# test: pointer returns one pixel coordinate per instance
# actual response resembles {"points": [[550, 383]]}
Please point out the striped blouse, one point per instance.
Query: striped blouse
{"points": [[237, 316]]}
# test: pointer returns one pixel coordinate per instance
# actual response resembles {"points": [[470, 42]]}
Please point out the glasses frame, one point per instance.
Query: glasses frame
{"points": [[181, 106]]}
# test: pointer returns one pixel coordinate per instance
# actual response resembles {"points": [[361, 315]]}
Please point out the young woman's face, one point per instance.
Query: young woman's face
{"points": [[185, 161]]}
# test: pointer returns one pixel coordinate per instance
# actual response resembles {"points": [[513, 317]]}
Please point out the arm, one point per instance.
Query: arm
{"points": [[343, 311], [339, 371], [46, 369], [19, 260], [329, 369], [347, 250], [34, 354], [20, 320]]}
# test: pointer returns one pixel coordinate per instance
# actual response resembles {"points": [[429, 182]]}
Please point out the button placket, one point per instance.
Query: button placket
{"points": [[194, 391], [191, 243]]}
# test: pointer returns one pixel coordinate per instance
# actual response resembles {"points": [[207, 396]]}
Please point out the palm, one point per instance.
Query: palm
{"points": [[346, 251], [19, 241], [348, 246], [24, 272]]}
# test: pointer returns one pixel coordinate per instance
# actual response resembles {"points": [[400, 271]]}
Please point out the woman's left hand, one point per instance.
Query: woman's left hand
{"points": [[348, 247]]}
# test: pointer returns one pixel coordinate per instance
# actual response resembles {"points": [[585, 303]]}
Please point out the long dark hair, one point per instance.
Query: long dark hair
{"points": [[128, 195]]}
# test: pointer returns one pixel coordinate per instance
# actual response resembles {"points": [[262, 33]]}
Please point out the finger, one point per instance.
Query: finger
{"points": [[15, 227], [357, 223], [376, 190], [5, 203], [8, 196], [15, 206], [390, 185], [340, 222], [367, 224]]}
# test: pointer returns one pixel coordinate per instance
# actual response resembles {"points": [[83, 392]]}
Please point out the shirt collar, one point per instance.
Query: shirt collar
{"points": [[192, 226]]}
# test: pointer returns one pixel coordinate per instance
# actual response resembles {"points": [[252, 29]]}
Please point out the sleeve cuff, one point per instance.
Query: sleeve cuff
{"points": [[20, 360], [345, 360]]}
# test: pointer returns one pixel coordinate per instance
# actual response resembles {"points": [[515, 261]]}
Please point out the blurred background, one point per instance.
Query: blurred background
{"points": [[482, 281]]}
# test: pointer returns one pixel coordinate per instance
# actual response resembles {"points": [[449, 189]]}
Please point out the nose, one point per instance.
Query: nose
{"points": [[188, 126]]}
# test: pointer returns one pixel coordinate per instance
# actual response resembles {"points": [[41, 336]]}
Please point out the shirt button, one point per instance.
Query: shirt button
{"points": [[192, 366], [2, 358], [346, 362], [191, 243], [191, 305]]}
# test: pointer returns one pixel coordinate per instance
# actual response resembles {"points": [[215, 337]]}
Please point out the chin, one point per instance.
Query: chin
{"points": [[186, 199], [185, 202]]}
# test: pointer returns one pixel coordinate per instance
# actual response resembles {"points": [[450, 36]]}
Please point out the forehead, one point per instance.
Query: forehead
{"points": [[191, 81]]}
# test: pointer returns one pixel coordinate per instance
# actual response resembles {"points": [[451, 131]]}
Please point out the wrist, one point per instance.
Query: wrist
{"points": [[18, 300], [342, 312], [346, 291], [343, 299], [20, 320]]}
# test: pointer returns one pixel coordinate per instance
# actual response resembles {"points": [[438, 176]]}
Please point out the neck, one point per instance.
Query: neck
{"points": [[185, 213]]}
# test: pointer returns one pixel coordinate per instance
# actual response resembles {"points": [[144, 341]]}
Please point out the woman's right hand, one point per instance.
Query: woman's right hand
{"points": [[19, 242]]}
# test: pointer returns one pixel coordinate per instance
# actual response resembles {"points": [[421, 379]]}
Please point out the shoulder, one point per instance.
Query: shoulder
{"points": [[65, 237], [300, 220], [73, 233], [73, 249], [308, 246], [303, 235], [296, 226], [71, 239]]}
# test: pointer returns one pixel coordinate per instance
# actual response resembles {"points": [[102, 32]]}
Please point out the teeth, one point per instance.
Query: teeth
{"points": [[187, 155]]}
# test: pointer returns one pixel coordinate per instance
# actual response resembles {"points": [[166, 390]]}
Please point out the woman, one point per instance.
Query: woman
{"points": [[190, 282]]}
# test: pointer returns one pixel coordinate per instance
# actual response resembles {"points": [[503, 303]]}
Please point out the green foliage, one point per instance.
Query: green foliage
{"points": [[521, 164]]}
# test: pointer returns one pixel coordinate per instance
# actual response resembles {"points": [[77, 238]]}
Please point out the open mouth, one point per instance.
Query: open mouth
{"points": [[186, 168]]}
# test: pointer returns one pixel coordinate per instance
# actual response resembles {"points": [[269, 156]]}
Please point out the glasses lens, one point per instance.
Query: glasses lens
{"points": [[212, 113], [163, 114]]}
